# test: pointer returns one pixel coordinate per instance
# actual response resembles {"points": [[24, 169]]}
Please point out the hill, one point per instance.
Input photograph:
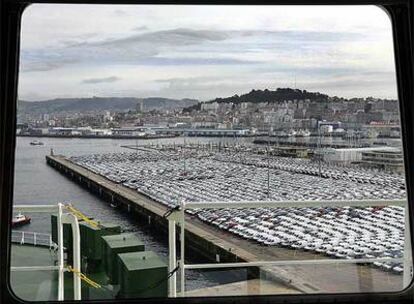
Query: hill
{"points": [[279, 95], [258, 96], [100, 104]]}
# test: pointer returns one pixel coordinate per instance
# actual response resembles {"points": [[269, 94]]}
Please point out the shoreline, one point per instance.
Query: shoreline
{"points": [[96, 136]]}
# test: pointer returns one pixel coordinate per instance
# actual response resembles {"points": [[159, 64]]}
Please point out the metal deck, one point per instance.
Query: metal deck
{"points": [[36, 285]]}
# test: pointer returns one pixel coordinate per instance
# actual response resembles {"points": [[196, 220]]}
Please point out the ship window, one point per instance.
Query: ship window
{"points": [[190, 151]]}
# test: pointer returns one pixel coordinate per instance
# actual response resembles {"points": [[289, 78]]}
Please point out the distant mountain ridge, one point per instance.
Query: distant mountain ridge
{"points": [[101, 104]]}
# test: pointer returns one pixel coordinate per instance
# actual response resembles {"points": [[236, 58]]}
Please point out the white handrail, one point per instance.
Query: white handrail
{"points": [[34, 268], [71, 219], [182, 249], [179, 216], [289, 262], [61, 219], [32, 238], [61, 289], [290, 204], [36, 208], [172, 282]]}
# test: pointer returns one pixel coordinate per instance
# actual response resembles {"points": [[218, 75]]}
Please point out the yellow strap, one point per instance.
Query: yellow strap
{"points": [[84, 277], [80, 215]]}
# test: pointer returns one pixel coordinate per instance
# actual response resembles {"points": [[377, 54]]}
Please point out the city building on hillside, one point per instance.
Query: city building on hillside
{"points": [[140, 107], [383, 129], [210, 106]]}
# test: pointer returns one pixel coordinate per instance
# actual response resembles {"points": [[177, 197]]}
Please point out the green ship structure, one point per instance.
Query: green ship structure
{"points": [[114, 265]]}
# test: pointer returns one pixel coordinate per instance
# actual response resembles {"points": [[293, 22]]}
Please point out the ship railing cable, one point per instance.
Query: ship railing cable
{"points": [[81, 216], [84, 277], [170, 211]]}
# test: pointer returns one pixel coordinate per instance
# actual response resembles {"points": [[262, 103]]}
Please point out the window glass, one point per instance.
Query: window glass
{"points": [[269, 134]]}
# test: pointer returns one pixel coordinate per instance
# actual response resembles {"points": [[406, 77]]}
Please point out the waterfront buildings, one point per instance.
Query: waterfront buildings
{"points": [[388, 160]]}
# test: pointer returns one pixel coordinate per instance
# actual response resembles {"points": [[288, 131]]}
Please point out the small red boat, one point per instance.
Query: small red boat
{"points": [[20, 220]]}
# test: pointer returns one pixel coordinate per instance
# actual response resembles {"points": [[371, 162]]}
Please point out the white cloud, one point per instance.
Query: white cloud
{"points": [[204, 51]]}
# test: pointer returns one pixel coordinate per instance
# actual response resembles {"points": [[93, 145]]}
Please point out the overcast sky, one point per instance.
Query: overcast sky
{"points": [[204, 52]]}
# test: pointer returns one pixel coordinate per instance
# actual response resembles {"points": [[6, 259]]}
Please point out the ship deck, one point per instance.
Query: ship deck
{"points": [[251, 287], [42, 285], [37, 285]]}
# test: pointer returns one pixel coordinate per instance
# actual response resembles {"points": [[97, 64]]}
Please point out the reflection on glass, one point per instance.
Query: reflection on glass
{"points": [[273, 137]]}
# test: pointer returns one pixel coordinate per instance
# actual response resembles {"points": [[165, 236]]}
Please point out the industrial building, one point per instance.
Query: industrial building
{"points": [[385, 158], [204, 132]]}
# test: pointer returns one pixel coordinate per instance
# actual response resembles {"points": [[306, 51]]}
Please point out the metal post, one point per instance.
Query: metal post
{"points": [[182, 249], [60, 254], [22, 239], [408, 264], [172, 282], [34, 238], [268, 172], [184, 154], [73, 221], [319, 149]]}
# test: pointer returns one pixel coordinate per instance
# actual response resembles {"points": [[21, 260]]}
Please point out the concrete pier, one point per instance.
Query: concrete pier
{"points": [[204, 242], [209, 242]]}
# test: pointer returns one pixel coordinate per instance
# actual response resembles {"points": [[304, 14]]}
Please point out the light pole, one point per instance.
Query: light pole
{"points": [[184, 155], [268, 164], [319, 149], [268, 172]]}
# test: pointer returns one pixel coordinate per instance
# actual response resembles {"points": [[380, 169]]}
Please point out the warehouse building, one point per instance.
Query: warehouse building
{"points": [[385, 158], [391, 160]]}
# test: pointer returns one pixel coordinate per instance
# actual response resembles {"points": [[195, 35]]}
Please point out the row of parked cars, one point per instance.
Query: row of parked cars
{"points": [[349, 233], [306, 166]]}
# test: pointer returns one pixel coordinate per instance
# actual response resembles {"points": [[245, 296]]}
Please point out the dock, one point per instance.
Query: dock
{"points": [[217, 245]]}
